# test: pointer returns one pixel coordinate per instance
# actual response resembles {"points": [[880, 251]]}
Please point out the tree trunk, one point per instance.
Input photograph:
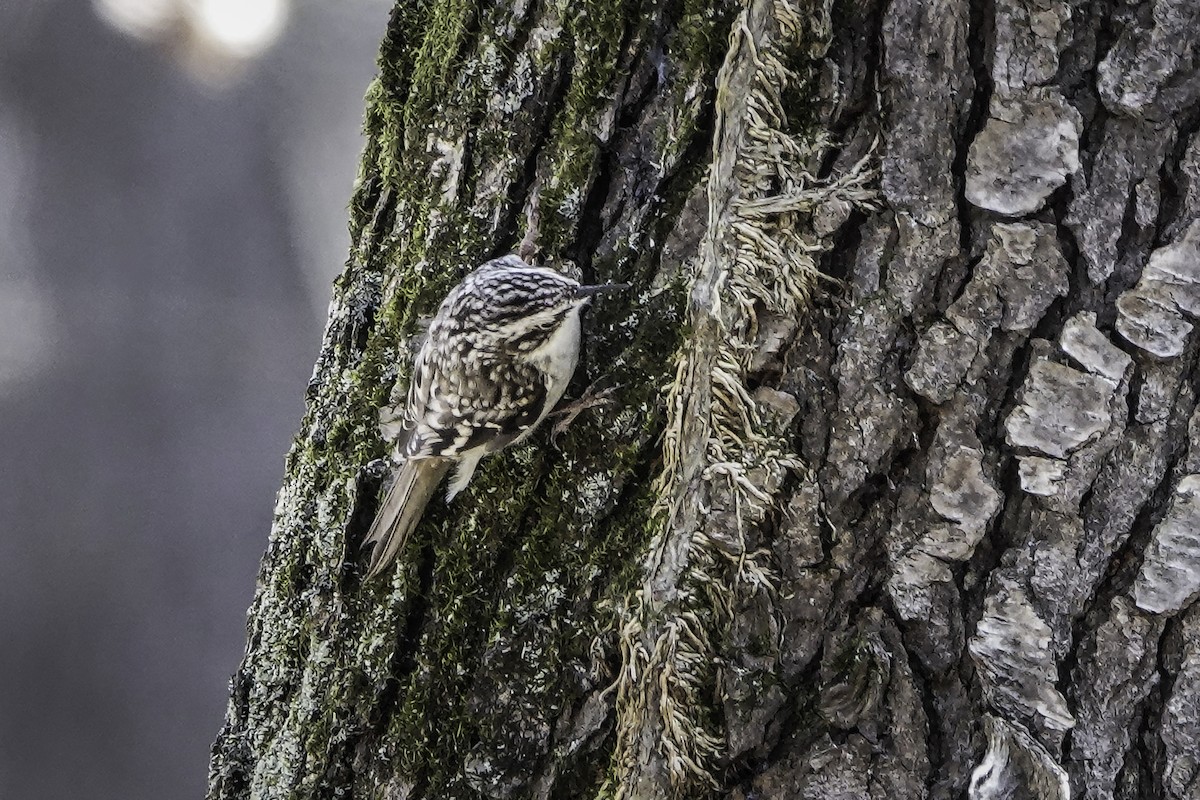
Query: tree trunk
{"points": [[898, 492]]}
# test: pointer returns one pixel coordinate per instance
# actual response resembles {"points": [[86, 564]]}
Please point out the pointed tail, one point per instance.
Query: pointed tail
{"points": [[402, 509]]}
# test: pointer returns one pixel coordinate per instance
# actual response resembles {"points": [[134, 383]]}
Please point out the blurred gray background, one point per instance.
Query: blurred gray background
{"points": [[172, 195]]}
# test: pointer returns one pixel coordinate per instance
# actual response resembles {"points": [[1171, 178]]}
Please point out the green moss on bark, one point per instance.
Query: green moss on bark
{"points": [[509, 591]]}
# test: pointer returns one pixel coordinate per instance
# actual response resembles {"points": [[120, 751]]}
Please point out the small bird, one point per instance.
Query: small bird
{"points": [[495, 361]]}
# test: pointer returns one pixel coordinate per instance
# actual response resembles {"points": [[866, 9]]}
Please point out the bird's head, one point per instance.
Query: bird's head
{"points": [[516, 306]]}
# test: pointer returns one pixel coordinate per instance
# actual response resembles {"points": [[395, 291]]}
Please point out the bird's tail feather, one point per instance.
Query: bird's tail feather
{"points": [[402, 509]]}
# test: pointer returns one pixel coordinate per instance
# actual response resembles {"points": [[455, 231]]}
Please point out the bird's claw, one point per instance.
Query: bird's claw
{"points": [[570, 411]]}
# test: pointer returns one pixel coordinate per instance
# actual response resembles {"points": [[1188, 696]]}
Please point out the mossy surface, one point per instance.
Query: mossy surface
{"points": [[463, 671]]}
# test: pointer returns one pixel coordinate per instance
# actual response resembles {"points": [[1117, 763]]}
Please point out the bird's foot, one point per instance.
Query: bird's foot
{"points": [[568, 412]]}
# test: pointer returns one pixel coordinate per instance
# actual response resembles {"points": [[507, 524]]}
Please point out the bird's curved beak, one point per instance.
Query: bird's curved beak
{"points": [[588, 291]]}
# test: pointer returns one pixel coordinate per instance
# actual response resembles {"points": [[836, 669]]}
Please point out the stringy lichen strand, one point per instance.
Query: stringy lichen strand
{"points": [[760, 251]]}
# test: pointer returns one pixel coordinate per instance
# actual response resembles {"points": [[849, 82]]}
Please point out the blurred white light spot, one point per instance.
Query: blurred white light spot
{"points": [[212, 39], [245, 28], [142, 19]]}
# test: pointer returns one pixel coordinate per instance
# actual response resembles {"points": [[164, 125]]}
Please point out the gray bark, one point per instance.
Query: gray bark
{"points": [[900, 491]]}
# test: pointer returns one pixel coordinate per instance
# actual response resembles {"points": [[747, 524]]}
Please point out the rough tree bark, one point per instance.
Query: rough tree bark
{"points": [[899, 493]]}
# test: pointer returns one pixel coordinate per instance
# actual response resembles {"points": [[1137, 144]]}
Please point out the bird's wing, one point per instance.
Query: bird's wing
{"points": [[489, 403]]}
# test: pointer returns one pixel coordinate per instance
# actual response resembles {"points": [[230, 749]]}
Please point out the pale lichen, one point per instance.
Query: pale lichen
{"points": [[725, 459]]}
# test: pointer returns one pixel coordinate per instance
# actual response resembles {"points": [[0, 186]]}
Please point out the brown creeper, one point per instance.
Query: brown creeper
{"points": [[497, 358]]}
